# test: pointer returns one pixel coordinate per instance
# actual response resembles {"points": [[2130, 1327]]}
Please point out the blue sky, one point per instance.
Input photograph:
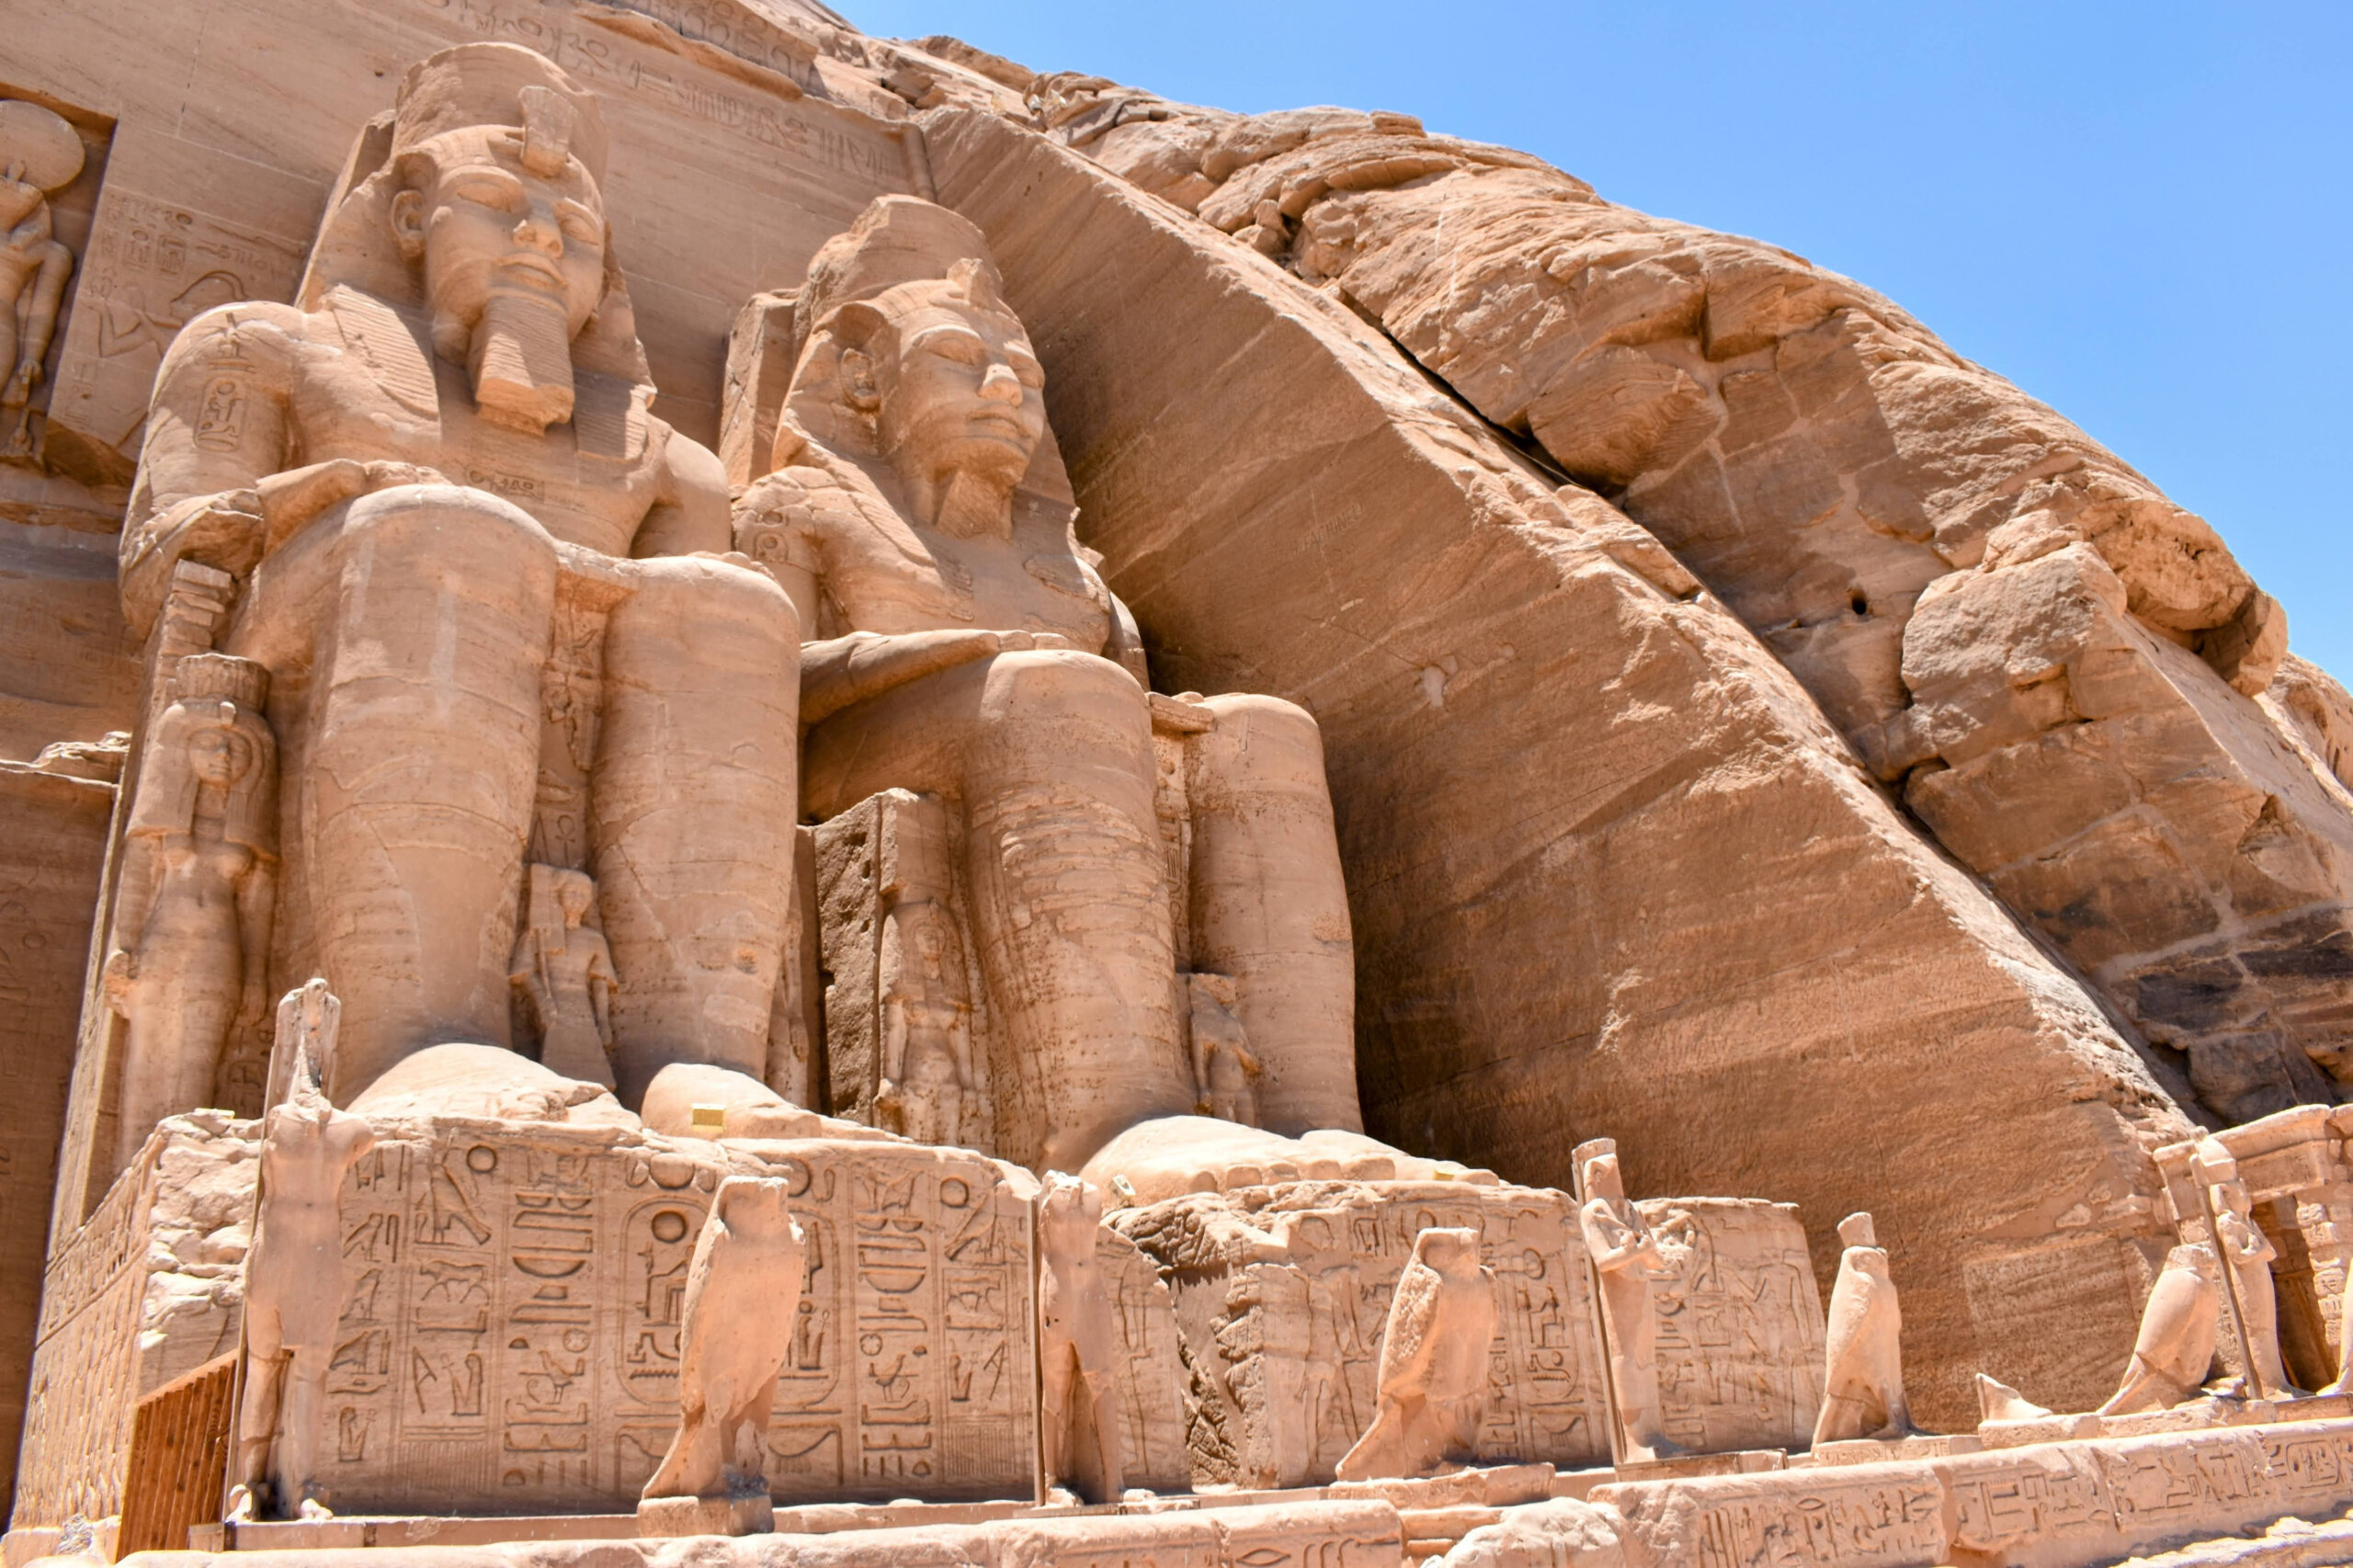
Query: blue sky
{"points": [[2138, 212]]}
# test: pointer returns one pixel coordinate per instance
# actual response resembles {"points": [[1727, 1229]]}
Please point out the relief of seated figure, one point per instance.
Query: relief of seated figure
{"points": [[491, 592], [963, 646]]}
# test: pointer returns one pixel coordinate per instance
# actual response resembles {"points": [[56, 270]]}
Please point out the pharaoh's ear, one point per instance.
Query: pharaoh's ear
{"points": [[857, 327], [408, 222]]}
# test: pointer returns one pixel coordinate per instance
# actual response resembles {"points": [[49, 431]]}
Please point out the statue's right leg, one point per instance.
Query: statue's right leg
{"points": [[405, 633], [265, 1386]]}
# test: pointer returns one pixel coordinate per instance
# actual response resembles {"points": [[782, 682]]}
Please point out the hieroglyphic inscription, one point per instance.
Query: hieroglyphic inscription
{"points": [[1740, 1328], [502, 1323], [1283, 1341], [912, 1368], [603, 60], [153, 266]]}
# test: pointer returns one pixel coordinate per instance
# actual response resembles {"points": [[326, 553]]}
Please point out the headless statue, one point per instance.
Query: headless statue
{"points": [[963, 646], [1079, 1345], [40, 154], [295, 1283], [742, 1299], [1627, 1258], [192, 923], [489, 548], [1433, 1362], [1862, 1393]]}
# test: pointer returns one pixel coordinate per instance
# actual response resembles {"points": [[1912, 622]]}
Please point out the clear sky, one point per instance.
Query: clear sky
{"points": [[2138, 211]]}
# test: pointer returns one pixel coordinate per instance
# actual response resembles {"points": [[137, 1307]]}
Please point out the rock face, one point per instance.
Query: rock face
{"points": [[1663, 706], [2054, 661], [1540, 758]]}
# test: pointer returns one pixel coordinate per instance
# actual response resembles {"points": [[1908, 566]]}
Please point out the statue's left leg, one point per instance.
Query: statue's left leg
{"points": [[1271, 909], [694, 795]]}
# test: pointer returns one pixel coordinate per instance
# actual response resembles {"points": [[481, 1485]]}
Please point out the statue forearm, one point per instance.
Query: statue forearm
{"points": [[847, 670]]}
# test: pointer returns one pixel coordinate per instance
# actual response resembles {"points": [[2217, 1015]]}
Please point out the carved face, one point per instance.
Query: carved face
{"points": [[571, 896], [1601, 1179], [219, 756], [957, 389], [483, 224]]}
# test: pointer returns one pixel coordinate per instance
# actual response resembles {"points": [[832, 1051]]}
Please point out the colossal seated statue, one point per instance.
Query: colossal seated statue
{"points": [[964, 647], [491, 594]]}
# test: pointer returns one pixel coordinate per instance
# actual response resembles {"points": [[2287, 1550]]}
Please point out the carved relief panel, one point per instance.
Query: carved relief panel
{"points": [[52, 158], [1740, 1327], [1280, 1297], [510, 1343]]}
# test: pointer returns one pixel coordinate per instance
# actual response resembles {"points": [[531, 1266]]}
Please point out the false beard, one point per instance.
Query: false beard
{"points": [[520, 358]]}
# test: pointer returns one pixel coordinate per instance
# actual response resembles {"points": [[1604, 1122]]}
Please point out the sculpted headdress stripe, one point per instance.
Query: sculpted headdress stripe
{"points": [[501, 83]]}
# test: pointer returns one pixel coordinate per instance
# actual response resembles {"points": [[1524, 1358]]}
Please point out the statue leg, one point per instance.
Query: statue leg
{"points": [[405, 633], [257, 1412], [1057, 1371], [1270, 907], [1050, 755], [693, 802], [301, 1423]]}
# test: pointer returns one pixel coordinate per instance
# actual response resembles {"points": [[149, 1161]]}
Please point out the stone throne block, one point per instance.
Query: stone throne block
{"points": [[1282, 1293], [512, 1340]]}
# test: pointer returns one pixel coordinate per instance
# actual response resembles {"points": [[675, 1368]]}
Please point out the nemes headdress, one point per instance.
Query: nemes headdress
{"points": [[898, 238], [502, 85]]}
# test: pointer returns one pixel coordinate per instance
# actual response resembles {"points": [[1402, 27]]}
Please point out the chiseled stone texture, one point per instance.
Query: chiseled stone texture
{"points": [[49, 856], [68, 668], [1610, 870], [1882, 512]]}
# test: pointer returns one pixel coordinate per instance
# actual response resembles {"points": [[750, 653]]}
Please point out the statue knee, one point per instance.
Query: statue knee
{"points": [[1263, 740], [449, 530], [1049, 684], [699, 619]]}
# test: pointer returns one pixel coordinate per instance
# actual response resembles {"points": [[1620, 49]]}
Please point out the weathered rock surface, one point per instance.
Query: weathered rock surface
{"points": [[1821, 460], [1609, 868]]}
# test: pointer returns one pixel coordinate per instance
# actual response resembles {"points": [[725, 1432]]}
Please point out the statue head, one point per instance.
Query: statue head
{"points": [[478, 200], [1856, 1231], [909, 355], [1597, 1166], [1068, 1210], [40, 154], [574, 892], [1452, 1251], [213, 737]]}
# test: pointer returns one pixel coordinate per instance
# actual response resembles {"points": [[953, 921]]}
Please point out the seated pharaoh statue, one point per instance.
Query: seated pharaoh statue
{"points": [[965, 647], [506, 647]]}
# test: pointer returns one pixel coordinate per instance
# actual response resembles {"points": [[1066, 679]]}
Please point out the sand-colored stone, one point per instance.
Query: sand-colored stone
{"points": [[1433, 1362], [1863, 1368], [965, 650], [440, 680], [49, 863], [1878, 510], [1459, 628], [736, 1318]]}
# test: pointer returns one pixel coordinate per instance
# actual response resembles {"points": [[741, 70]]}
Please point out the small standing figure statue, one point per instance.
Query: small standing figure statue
{"points": [[564, 971], [1625, 1256], [1223, 1065], [191, 933], [1077, 1345], [743, 1298], [294, 1276], [926, 1091], [1433, 1362], [2175, 1347], [40, 154], [1862, 1388], [2249, 1252]]}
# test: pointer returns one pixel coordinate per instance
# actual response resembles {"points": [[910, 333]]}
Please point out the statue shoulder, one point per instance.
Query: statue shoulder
{"points": [[250, 334], [793, 514]]}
